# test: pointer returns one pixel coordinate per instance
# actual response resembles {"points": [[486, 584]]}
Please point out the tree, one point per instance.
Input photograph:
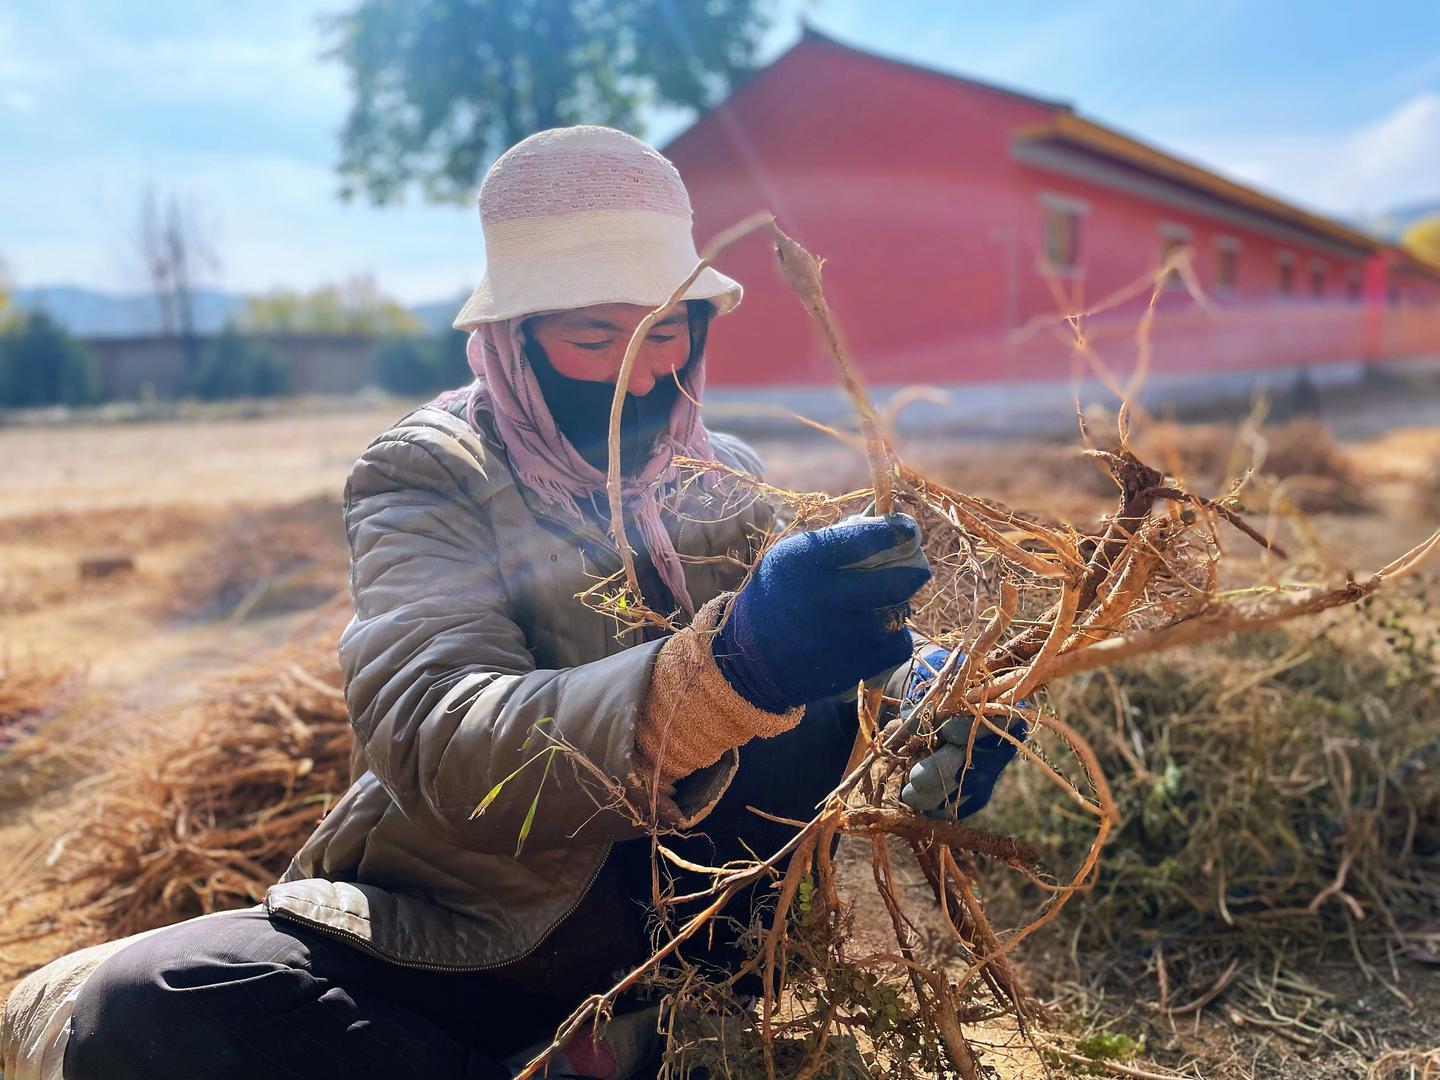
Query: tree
{"points": [[408, 366], [40, 364], [444, 86], [355, 306], [237, 366], [454, 364], [10, 315], [1423, 239], [174, 243]]}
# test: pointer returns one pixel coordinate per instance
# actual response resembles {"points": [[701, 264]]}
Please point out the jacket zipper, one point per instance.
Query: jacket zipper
{"points": [[365, 945], [605, 541]]}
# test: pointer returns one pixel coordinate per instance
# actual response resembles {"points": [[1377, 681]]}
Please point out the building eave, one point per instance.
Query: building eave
{"points": [[1403, 262], [1067, 130]]}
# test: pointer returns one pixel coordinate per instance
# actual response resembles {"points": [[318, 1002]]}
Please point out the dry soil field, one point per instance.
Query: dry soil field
{"points": [[139, 562]]}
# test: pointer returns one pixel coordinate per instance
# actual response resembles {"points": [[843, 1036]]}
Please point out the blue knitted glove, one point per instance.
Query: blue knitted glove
{"points": [[927, 665], [940, 786], [823, 610]]}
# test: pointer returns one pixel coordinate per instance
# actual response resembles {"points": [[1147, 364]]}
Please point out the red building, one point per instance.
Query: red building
{"points": [[958, 218]]}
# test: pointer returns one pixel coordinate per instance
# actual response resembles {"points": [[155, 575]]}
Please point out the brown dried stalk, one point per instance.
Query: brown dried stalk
{"points": [[1063, 602], [201, 815], [801, 271], [613, 479], [1272, 609]]}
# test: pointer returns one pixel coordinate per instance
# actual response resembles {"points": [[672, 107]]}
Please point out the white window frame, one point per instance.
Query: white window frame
{"points": [[1232, 246], [1064, 204], [1354, 284], [1184, 234], [1285, 259]]}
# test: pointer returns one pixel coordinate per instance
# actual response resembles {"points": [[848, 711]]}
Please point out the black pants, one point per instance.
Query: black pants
{"points": [[245, 995]]}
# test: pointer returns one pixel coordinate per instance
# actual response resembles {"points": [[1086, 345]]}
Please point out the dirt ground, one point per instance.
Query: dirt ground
{"points": [[182, 502]]}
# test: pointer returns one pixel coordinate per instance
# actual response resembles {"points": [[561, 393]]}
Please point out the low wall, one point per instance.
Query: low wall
{"points": [[1043, 407], [132, 368], [138, 368]]}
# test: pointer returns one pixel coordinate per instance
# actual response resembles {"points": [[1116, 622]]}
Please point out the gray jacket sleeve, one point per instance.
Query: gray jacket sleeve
{"points": [[441, 689]]}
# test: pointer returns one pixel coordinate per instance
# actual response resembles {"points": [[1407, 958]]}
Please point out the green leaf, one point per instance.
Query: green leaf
{"points": [[534, 804], [493, 793], [1109, 1046], [439, 88], [804, 895]]}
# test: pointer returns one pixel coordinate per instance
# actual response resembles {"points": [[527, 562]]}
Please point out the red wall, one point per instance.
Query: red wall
{"points": [[903, 181]]}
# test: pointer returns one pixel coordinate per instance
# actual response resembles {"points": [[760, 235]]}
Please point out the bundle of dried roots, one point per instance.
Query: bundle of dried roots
{"points": [[1040, 601], [201, 818], [263, 560], [28, 691]]}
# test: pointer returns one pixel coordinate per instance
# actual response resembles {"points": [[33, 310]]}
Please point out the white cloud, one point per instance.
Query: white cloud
{"points": [[19, 74], [285, 69], [1392, 160], [1401, 150], [267, 61], [238, 116]]}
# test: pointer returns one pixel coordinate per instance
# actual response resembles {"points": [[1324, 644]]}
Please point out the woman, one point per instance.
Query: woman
{"points": [[413, 934]]}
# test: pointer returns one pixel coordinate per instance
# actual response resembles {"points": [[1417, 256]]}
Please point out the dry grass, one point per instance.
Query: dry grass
{"points": [[1412, 1064], [1428, 490], [128, 528], [211, 461], [202, 816], [261, 560], [1281, 805], [29, 692], [41, 552], [1298, 463]]}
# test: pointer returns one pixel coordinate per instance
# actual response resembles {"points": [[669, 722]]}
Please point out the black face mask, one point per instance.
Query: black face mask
{"points": [[581, 408]]}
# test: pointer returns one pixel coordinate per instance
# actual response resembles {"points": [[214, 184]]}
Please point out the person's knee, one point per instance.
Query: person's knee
{"points": [[140, 1013], [119, 1011]]}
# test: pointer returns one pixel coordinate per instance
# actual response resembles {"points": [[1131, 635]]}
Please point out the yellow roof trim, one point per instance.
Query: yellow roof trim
{"points": [[1067, 127]]}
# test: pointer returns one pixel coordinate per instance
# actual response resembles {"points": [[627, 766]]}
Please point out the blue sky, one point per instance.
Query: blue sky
{"points": [[1336, 105]]}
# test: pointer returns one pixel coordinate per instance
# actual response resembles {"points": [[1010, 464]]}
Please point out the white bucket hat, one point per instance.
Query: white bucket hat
{"points": [[585, 215]]}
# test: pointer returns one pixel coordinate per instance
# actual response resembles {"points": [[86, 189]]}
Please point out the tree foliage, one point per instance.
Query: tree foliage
{"points": [[407, 366], [355, 306], [1423, 239], [9, 313], [454, 366], [442, 87], [40, 364], [237, 366], [413, 366]]}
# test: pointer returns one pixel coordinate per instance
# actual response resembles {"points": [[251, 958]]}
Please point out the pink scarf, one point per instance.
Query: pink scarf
{"points": [[543, 459]]}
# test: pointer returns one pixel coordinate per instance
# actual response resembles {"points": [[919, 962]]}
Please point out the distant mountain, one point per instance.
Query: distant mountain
{"points": [[437, 317], [87, 313]]}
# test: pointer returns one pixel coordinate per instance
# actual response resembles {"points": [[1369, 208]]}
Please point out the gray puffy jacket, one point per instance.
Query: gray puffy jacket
{"points": [[467, 655]]}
